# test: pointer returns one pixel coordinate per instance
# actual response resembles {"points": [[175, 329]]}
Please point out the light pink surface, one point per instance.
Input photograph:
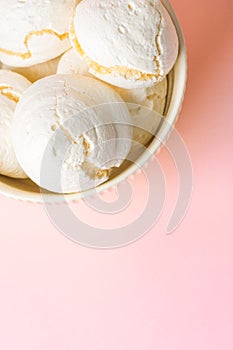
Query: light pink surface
{"points": [[163, 292]]}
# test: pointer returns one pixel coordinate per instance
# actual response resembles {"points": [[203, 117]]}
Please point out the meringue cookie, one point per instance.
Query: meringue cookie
{"points": [[146, 107], [152, 98], [12, 85], [35, 31], [69, 133], [37, 71], [71, 63], [140, 102], [130, 44]]}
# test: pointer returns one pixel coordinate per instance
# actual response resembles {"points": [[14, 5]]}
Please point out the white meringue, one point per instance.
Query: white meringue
{"points": [[35, 31], [130, 44], [146, 107], [69, 132], [152, 98], [12, 85], [71, 63]]}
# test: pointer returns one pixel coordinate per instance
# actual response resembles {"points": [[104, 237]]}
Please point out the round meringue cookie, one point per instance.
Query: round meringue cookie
{"points": [[130, 44], [152, 98], [12, 86], [70, 132], [35, 31], [146, 107], [71, 63]]}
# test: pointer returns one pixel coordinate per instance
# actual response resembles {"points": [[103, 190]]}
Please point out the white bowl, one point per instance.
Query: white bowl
{"points": [[26, 190]]}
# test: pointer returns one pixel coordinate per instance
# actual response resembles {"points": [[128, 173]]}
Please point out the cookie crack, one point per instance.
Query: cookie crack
{"points": [[158, 46], [59, 124], [9, 92], [28, 54], [92, 171]]}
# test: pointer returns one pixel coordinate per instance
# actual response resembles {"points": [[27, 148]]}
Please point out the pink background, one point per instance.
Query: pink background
{"points": [[162, 292]]}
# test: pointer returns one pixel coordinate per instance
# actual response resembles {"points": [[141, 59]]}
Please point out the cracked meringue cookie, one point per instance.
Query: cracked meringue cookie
{"points": [[35, 31], [12, 86], [70, 132], [129, 44]]}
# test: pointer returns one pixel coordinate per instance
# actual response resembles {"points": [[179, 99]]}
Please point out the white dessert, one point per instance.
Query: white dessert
{"points": [[152, 98], [12, 86], [146, 107], [69, 133], [71, 63], [36, 72], [35, 31], [130, 44]]}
